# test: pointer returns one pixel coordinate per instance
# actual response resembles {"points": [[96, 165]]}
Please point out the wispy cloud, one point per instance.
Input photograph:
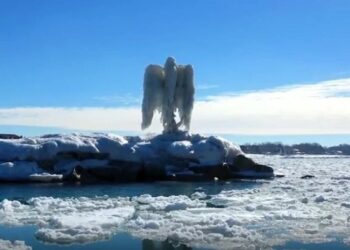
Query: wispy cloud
{"points": [[297, 109], [125, 99], [87, 118], [321, 108], [206, 86]]}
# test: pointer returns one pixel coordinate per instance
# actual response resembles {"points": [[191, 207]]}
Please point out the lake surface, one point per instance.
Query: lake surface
{"points": [[284, 213]]}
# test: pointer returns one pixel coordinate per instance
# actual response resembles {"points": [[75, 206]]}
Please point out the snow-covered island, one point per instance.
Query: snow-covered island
{"points": [[171, 155], [109, 157]]}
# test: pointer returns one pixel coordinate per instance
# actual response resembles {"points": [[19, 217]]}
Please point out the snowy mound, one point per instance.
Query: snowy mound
{"points": [[116, 158]]}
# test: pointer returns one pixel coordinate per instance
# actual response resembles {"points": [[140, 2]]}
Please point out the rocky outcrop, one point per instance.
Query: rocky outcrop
{"points": [[9, 136], [105, 157]]}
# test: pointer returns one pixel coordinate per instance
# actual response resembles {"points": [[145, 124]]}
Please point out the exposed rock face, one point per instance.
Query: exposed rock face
{"points": [[107, 157], [9, 136], [246, 168]]}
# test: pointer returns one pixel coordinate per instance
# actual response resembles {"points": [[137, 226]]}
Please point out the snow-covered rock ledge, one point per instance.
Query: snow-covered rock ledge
{"points": [[109, 157]]}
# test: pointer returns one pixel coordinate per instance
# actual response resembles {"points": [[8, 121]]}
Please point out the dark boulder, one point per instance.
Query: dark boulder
{"points": [[10, 136], [307, 176], [221, 172], [244, 167], [80, 156]]}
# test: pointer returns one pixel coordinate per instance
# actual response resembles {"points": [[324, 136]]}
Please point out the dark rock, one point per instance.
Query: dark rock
{"points": [[279, 175], [118, 172], [74, 176], [188, 177], [80, 156], [244, 167], [213, 205], [47, 165], [10, 136], [222, 172], [151, 172], [307, 176]]}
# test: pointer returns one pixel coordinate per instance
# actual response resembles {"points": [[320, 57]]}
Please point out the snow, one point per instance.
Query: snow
{"points": [[18, 170], [45, 177], [181, 149], [289, 208], [13, 245], [25, 157]]}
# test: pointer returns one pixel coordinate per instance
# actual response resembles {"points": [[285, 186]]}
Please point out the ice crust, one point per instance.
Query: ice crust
{"points": [[22, 158], [269, 214]]}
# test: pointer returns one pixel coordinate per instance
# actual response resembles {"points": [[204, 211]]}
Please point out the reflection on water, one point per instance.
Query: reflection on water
{"points": [[59, 190]]}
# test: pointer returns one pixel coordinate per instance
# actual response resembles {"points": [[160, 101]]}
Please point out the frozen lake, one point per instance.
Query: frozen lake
{"points": [[288, 212]]}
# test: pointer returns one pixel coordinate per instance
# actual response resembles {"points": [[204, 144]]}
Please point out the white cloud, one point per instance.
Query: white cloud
{"points": [[321, 108], [88, 118]]}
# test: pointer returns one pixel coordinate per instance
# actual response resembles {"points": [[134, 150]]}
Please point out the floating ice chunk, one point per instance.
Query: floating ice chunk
{"points": [[179, 202], [45, 177], [71, 220], [345, 204], [84, 226], [311, 230], [250, 208], [13, 245], [305, 200], [320, 198], [347, 241], [199, 195]]}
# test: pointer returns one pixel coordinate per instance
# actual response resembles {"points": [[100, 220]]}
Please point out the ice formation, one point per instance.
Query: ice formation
{"points": [[174, 154], [168, 90]]}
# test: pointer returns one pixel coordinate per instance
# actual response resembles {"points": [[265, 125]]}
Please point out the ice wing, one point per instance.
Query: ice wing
{"points": [[153, 87]]}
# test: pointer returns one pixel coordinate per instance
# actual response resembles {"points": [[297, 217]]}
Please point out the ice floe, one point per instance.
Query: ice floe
{"points": [[13, 245]]}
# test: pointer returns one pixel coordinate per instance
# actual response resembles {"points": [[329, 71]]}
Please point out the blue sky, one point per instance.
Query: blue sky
{"points": [[92, 54]]}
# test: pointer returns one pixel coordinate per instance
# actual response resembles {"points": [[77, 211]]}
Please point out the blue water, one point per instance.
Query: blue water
{"points": [[27, 191], [122, 240]]}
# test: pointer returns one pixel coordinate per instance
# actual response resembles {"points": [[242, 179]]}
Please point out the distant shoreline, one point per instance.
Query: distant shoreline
{"points": [[295, 149]]}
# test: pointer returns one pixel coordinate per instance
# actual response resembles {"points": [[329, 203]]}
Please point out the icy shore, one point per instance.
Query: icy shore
{"points": [[110, 157]]}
